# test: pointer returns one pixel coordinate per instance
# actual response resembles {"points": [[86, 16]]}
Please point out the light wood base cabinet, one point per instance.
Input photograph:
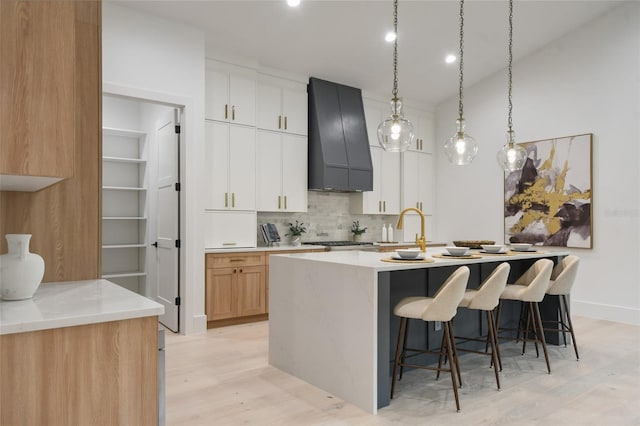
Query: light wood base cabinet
{"points": [[95, 374], [235, 287]]}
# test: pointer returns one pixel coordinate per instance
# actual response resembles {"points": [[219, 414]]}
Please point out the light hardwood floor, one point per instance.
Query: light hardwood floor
{"points": [[223, 378]]}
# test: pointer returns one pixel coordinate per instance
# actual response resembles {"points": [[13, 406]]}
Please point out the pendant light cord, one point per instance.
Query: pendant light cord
{"points": [[394, 92], [461, 77], [510, 123]]}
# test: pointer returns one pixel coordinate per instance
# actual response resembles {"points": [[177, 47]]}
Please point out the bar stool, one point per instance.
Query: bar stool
{"points": [[441, 307], [531, 288], [562, 279], [486, 298]]}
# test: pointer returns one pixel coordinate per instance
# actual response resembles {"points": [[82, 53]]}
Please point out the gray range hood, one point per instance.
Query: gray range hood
{"points": [[339, 155]]}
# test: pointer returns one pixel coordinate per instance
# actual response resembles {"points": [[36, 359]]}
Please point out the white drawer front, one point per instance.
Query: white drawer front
{"points": [[229, 229]]}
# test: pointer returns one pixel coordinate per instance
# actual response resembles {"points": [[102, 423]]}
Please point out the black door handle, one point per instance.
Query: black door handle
{"points": [[155, 244]]}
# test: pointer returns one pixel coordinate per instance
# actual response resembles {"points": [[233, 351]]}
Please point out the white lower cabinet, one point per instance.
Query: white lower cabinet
{"points": [[385, 197], [281, 176], [230, 164], [229, 229], [417, 181]]}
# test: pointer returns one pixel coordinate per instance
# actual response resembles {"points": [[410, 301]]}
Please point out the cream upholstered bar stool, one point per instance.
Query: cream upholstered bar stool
{"points": [[562, 279], [441, 307], [530, 288], [486, 298]]}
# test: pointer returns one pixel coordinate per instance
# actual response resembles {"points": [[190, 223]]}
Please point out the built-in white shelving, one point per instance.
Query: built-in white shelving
{"points": [[124, 204]]}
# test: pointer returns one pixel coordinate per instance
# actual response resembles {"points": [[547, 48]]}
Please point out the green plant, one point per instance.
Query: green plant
{"points": [[355, 228], [297, 229]]}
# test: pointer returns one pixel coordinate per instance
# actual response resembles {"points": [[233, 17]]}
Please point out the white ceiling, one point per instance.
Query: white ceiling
{"points": [[343, 41]]}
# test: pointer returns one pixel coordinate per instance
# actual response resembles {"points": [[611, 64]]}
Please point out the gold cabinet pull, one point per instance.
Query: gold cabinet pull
{"points": [[279, 199], [285, 197], [417, 205], [226, 111], [285, 126], [384, 206], [379, 206], [229, 244], [233, 112], [279, 122], [226, 199], [417, 143], [233, 199]]}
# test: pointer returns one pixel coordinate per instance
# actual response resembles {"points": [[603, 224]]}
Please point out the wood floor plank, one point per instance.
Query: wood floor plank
{"points": [[223, 378]]}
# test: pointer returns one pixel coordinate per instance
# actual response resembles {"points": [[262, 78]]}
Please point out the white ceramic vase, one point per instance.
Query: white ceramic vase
{"points": [[21, 271], [296, 240]]}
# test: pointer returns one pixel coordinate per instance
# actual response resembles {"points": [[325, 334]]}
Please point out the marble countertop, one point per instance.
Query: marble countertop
{"points": [[372, 260], [71, 303]]}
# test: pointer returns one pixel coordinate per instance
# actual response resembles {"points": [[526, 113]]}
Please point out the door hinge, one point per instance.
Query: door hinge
{"points": [[177, 186], [177, 129], [178, 243], [177, 301]]}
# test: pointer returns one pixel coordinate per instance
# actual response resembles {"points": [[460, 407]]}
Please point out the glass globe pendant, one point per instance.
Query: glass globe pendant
{"points": [[395, 133], [461, 148], [512, 156]]}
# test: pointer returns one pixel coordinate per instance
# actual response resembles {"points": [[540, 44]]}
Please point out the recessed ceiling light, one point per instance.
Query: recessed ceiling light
{"points": [[293, 3], [450, 59], [390, 36]]}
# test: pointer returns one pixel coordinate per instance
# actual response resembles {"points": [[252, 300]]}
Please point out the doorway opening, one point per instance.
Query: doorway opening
{"points": [[141, 199]]}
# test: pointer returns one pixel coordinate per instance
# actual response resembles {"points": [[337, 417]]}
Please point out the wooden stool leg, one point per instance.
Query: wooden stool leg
{"points": [[449, 346], [441, 356], [563, 327], [573, 336], [538, 320], [494, 351], [397, 357], [404, 345], [455, 352], [495, 337]]}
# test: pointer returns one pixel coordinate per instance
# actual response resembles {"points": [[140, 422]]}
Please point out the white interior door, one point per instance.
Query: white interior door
{"points": [[168, 219]]}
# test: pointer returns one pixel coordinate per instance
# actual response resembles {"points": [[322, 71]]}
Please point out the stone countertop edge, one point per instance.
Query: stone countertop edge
{"points": [[264, 248], [72, 303]]}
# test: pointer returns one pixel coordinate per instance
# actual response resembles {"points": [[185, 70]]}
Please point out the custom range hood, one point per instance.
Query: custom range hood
{"points": [[339, 155]]}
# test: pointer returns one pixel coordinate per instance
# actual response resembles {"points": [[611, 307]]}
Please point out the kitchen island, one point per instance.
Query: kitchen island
{"points": [[81, 352], [331, 321]]}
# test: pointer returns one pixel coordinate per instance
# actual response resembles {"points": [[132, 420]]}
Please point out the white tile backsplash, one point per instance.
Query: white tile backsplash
{"points": [[328, 219]]}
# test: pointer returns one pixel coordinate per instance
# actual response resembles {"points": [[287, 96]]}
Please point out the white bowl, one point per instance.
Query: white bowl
{"points": [[492, 248], [457, 251], [408, 253], [520, 246]]}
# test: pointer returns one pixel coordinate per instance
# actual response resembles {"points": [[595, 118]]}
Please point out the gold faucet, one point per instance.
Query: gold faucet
{"points": [[422, 242]]}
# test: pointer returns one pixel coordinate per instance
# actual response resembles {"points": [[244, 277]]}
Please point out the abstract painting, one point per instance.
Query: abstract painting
{"points": [[548, 202]]}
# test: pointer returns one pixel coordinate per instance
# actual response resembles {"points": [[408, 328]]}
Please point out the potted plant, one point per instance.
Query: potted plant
{"points": [[357, 231], [295, 232]]}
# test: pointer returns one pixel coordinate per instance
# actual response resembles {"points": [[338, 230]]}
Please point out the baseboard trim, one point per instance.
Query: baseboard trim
{"points": [[238, 320], [606, 312]]}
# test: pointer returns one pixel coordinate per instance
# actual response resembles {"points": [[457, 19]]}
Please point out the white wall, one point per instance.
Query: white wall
{"points": [[585, 82], [151, 58]]}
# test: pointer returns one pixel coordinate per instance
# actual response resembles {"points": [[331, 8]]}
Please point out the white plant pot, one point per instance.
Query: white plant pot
{"points": [[21, 271]]}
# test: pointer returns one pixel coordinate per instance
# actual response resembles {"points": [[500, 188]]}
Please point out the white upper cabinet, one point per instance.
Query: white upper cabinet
{"points": [[230, 94], [281, 105], [424, 130], [230, 164], [281, 178], [417, 181], [374, 113], [385, 197]]}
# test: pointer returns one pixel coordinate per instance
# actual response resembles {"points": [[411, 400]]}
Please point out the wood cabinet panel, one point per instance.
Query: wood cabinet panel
{"points": [[37, 81], [219, 293], [96, 374], [250, 291], [65, 218]]}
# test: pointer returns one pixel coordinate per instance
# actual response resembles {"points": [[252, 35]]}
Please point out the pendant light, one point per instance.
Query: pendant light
{"points": [[461, 148], [511, 157], [395, 133]]}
